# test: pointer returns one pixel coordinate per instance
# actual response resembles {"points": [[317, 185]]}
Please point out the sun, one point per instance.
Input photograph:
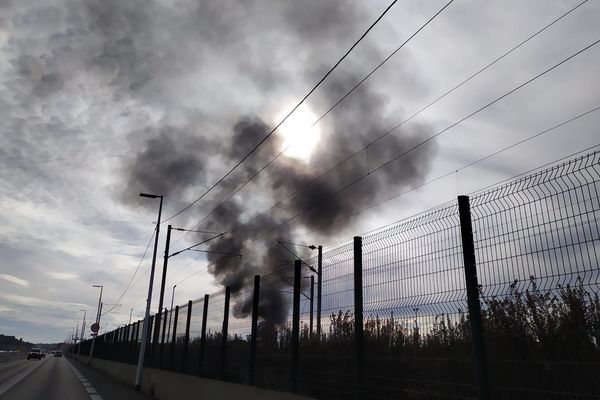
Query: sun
{"points": [[300, 137]]}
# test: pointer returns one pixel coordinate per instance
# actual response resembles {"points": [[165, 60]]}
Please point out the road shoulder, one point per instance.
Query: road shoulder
{"points": [[104, 387]]}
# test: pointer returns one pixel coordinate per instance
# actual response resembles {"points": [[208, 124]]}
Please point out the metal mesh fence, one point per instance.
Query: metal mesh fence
{"points": [[414, 304], [537, 246], [536, 243]]}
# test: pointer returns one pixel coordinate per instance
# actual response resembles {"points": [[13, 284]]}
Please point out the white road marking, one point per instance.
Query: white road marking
{"points": [[86, 384], [19, 377]]}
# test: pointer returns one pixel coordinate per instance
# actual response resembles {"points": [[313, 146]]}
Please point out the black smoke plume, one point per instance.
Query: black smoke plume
{"points": [[179, 164]]}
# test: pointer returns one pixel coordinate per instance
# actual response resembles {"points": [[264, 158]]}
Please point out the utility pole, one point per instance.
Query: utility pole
{"points": [[82, 332], [162, 283], [99, 317], [171, 311], [130, 312], [97, 322], [164, 271], [140, 365]]}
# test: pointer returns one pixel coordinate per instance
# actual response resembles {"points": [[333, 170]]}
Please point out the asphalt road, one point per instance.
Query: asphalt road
{"points": [[59, 379]]}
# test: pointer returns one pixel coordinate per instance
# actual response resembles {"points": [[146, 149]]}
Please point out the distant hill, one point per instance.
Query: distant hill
{"points": [[47, 347], [11, 343]]}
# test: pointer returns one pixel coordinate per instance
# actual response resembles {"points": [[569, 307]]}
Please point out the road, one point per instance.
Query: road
{"points": [[59, 379]]}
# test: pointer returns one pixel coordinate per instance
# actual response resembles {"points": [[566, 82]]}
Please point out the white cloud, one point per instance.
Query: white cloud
{"points": [[61, 276], [14, 279]]}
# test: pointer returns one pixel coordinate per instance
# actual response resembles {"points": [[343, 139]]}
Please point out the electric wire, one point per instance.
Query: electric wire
{"points": [[389, 131], [487, 105], [406, 192], [452, 172], [511, 146], [430, 138], [286, 117], [331, 108], [133, 276]]}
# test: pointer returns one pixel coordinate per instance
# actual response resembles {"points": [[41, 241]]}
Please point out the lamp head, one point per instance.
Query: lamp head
{"points": [[150, 196]]}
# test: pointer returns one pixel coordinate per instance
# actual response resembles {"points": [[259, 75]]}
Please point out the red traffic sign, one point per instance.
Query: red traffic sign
{"points": [[95, 327]]}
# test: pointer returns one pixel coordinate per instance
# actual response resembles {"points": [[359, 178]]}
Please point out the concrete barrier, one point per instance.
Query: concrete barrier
{"points": [[12, 355], [166, 385]]}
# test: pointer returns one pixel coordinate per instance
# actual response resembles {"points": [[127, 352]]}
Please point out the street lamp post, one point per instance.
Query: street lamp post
{"points": [[76, 331], [145, 327], [97, 322]]}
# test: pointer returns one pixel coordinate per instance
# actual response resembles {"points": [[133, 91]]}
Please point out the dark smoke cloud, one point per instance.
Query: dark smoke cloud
{"points": [[320, 198], [175, 164], [170, 161]]}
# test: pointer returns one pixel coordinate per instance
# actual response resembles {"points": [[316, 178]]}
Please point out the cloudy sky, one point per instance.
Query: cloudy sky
{"points": [[100, 100]]}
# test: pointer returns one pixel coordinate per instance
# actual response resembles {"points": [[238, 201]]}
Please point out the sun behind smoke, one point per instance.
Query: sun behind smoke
{"points": [[300, 138]]}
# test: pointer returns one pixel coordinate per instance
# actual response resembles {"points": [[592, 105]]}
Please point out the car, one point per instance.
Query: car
{"points": [[34, 353], [58, 354]]}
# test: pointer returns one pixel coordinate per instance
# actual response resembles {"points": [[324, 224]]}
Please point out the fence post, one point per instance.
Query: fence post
{"points": [[133, 343], [224, 331], [358, 317], [255, 299], [319, 288], [186, 340], [203, 335], [296, 326], [172, 356], [312, 300], [125, 344], [466, 230], [162, 341]]}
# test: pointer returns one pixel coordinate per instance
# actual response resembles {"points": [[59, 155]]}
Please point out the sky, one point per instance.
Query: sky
{"points": [[100, 101]]}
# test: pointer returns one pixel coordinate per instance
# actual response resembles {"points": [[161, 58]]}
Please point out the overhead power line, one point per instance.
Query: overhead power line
{"points": [[133, 276], [452, 172], [431, 138], [286, 117], [394, 128], [546, 131], [331, 108], [389, 131]]}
